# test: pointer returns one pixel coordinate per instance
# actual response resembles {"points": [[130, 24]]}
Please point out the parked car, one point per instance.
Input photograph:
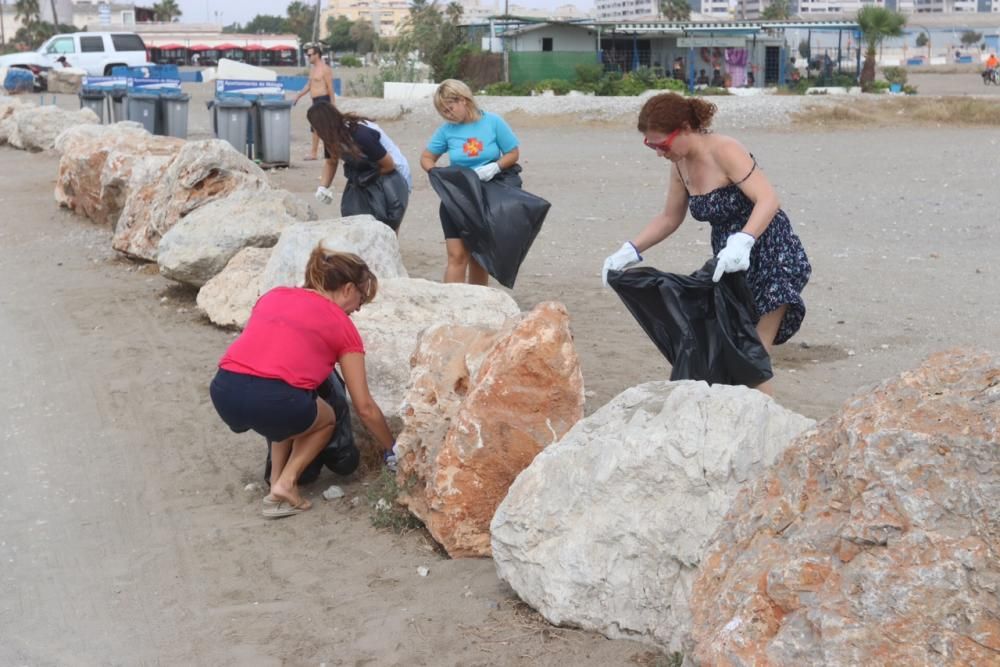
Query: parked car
{"points": [[95, 52]]}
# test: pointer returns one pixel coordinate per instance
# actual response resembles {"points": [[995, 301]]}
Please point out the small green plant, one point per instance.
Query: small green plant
{"points": [[909, 90], [588, 74], [557, 86], [386, 512], [709, 91], [675, 85], [350, 61], [506, 89], [894, 74], [877, 87], [843, 80]]}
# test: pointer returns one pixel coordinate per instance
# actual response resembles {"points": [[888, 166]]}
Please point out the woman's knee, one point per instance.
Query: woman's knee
{"points": [[457, 254]]}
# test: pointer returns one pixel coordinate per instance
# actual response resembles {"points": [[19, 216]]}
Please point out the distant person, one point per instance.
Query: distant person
{"points": [[795, 76], [715, 178], [717, 80], [679, 68], [751, 79], [195, 58], [378, 176], [472, 138], [702, 78], [992, 62], [268, 378], [320, 88]]}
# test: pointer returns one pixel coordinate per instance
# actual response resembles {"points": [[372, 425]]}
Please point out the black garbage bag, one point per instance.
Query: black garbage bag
{"points": [[382, 196], [341, 455], [706, 330], [498, 220]]}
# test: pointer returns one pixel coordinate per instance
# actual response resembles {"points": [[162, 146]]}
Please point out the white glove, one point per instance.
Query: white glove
{"points": [[735, 256], [487, 171], [626, 256], [324, 195], [390, 458]]}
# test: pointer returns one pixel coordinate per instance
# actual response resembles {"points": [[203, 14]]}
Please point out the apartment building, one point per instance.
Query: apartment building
{"points": [[626, 10], [385, 15], [946, 6], [752, 9], [635, 10]]}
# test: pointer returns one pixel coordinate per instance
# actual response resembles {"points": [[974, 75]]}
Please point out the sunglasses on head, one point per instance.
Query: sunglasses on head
{"points": [[665, 144]]}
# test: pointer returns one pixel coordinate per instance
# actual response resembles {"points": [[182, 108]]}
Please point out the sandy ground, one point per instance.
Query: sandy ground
{"points": [[126, 535]]}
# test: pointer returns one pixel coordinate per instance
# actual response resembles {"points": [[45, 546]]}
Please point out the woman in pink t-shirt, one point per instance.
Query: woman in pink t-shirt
{"points": [[268, 377]]}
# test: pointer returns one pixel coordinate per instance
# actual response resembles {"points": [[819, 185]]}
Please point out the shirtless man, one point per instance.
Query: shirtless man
{"points": [[320, 88]]}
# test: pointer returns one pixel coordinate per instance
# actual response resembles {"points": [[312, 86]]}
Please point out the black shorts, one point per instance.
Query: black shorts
{"points": [[449, 228], [320, 99], [272, 408]]}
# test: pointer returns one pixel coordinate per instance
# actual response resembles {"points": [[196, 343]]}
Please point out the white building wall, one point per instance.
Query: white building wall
{"points": [[625, 10], [564, 38]]}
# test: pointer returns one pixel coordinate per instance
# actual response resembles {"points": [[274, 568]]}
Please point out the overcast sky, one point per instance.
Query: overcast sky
{"points": [[197, 11]]}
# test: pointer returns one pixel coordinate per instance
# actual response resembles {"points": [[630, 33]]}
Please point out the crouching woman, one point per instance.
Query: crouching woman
{"points": [[268, 377]]}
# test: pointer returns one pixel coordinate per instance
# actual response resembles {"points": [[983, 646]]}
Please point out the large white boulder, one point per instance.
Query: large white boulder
{"points": [[606, 528], [36, 128], [362, 235], [8, 106], [285, 264], [228, 297], [203, 242], [201, 172]]}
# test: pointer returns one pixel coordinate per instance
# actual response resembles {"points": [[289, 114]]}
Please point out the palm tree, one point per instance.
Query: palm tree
{"points": [[166, 10], [675, 10], [778, 10], [27, 11], [876, 24]]}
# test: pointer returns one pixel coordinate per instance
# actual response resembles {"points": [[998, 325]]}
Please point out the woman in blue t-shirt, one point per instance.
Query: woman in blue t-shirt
{"points": [[472, 138], [376, 171]]}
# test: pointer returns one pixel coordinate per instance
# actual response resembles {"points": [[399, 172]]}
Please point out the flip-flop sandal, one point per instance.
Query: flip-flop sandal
{"points": [[283, 509]]}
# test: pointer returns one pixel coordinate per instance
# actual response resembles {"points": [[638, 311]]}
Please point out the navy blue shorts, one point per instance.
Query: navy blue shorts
{"points": [[273, 408]]}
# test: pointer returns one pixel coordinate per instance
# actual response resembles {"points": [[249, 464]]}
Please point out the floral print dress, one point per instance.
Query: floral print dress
{"points": [[779, 268]]}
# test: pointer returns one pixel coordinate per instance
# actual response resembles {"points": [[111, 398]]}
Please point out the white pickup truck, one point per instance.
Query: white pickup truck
{"points": [[95, 52]]}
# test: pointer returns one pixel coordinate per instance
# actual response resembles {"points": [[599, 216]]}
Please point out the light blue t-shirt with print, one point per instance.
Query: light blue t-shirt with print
{"points": [[474, 144]]}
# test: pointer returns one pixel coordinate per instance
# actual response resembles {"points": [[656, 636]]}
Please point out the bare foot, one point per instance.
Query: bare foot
{"points": [[290, 495]]}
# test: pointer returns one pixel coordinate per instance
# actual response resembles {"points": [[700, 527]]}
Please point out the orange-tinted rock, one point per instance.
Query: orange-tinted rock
{"points": [[100, 164], [482, 405], [875, 535]]}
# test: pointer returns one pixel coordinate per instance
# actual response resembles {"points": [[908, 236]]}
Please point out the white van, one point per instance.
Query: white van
{"points": [[95, 52]]}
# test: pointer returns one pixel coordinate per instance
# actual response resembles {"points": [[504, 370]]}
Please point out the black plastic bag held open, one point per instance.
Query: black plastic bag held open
{"points": [[706, 330], [497, 220], [382, 196], [340, 455]]}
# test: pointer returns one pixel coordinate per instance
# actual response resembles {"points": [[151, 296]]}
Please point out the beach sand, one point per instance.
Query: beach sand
{"points": [[128, 536]]}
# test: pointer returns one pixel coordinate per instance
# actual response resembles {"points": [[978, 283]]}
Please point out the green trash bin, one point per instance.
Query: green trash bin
{"points": [[232, 121], [275, 147], [175, 113], [93, 100], [142, 110]]}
